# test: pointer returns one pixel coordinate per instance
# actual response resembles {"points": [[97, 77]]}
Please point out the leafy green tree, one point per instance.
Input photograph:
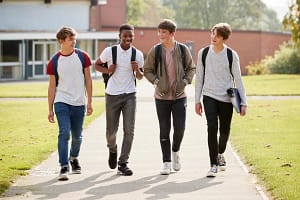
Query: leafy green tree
{"points": [[135, 8], [147, 12], [240, 14], [292, 21]]}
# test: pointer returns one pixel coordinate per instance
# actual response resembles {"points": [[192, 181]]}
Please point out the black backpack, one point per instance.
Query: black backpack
{"points": [[158, 58], [114, 59], [229, 56]]}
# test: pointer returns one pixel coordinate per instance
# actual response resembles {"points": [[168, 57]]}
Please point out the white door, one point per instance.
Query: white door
{"points": [[42, 51]]}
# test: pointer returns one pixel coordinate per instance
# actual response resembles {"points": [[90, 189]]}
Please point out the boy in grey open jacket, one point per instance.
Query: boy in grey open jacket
{"points": [[172, 73]]}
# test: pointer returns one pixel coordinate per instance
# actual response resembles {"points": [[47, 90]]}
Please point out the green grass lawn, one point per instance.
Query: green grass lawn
{"points": [[27, 137], [268, 140], [39, 89], [272, 85]]}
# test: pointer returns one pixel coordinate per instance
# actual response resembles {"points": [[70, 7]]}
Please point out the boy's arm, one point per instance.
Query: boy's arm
{"points": [[190, 66], [89, 90], [149, 66], [51, 96], [137, 65], [99, 67]]}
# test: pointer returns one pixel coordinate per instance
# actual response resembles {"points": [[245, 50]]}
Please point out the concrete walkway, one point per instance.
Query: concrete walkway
{"points": [[97, 181]]}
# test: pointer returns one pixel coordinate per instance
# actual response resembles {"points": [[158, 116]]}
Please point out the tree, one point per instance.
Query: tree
{"points": [[242, 15], [147, 12], [203, 14], [135, 8], [292, 21]]}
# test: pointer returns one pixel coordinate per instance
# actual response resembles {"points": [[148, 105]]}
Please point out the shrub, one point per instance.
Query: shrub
{"points": [[285, 61], [257, 68]]}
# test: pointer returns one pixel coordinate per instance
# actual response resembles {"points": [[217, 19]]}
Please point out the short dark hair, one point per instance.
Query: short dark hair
{"points": [[126, 27], [167, 24], [223, 30], [65, 31]]}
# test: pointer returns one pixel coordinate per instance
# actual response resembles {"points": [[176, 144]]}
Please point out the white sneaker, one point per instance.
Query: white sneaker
{"points": [[166, 168], [176, 161], [213, 171]]}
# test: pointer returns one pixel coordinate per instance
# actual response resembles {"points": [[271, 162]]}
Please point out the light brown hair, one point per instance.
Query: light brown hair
{"points": [[223, 30], [64, 32]]}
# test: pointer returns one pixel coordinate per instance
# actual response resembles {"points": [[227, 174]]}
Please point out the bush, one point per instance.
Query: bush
{"points": [[285, 61], [257, 68]]}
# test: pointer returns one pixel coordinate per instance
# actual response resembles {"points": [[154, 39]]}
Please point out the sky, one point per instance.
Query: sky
{"points": [[280, 6]]}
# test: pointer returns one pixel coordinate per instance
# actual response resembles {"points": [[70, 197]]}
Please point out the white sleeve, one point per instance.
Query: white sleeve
{"points": [[199, 77], [140, 58], [106, 55]]}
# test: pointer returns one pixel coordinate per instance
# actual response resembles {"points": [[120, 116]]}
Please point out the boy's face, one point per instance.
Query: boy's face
{"points": [[164, 35], [69, 42], [216, 39], [126, 37]]}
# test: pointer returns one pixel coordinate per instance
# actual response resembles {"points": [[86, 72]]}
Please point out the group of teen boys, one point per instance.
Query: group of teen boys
{"points": [[169, 67]]}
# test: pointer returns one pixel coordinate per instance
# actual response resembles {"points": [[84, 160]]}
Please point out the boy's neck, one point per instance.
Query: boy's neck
{"points": [[169, 44], [65, 51], [218, 48], [125, 46]]}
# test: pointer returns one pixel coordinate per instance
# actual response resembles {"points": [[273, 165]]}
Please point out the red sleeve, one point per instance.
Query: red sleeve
{"points": [[50, 70], [87, 60]]}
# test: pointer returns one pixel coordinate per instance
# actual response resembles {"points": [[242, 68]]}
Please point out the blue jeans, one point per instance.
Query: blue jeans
{"points": [[164, 109], [115, 104], [217, 112], [70, 120]]}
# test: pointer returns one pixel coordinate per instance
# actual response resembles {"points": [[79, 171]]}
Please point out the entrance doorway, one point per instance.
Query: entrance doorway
{"points": [[42, 51]]}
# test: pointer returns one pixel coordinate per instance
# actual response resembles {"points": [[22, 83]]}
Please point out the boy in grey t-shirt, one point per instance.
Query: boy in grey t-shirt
{"points": [[212, 82]]}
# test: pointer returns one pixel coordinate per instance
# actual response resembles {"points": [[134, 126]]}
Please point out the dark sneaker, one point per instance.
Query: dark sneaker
{"points": [[76, 169], [112, 160], [63, 174], [124, 170], [213, 171], [221, 162]]}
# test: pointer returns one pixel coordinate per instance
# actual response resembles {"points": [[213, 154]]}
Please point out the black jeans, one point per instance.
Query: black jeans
{"points": [[164, 109], [215, 112]]}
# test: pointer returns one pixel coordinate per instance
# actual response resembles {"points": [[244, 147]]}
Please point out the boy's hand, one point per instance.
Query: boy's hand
{"points": [[51, 117], [198, 108], [243, 110], [89, 109], [134, 65], [112, 68]]}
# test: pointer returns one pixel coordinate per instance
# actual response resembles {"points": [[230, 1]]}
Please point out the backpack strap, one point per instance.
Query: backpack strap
{"points": [[81, 57], [54, 65], [133, 58], [114, 54], [133, 54], [158, 59], [204, 54], [114, 61], [183, 56], [230, 58]]}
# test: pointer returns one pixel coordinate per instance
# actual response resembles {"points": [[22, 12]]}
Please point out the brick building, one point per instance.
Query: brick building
{"points": [[27, 34]]}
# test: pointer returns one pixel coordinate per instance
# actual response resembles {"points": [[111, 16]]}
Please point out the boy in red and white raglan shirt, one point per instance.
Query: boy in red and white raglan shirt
{"points": [[69, 84]]}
